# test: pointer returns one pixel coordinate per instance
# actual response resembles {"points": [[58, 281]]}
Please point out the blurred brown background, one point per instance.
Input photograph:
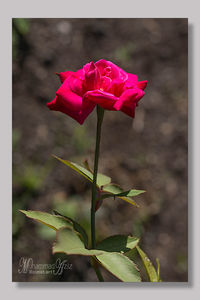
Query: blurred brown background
{"points": [[148, 152]]}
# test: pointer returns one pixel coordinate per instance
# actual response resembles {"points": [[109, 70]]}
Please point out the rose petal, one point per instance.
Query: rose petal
{"points": [[80, 74], [105, 100], [132, 95], [129, 109], [117, 87], [132, 77], [114, 71], [58, 105], [106, 83], [142, 84], [131, 81], [76, 85], [92, 77], [64, 75], [130, 98], [72, 100]]}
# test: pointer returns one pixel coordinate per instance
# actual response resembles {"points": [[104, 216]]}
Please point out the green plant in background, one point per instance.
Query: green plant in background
{"points": [[81, 140], [27, 182], [105, 86], [125, 52], [20, 29]]}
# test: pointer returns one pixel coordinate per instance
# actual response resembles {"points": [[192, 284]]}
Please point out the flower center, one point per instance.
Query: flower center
{"points": [[107, 72]]}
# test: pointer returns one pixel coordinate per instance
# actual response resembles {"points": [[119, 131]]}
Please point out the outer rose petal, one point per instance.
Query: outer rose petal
{"points": [[80, 74], [129, 99], [76, 85], [64, 75], [132, 95], [132, 77], [131, 81], [142, 84], [58, 105], [129, 109], [70, 99], [105, 100]]}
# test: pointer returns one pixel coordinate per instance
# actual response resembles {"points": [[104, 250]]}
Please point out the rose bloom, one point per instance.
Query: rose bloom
{"points": [[101, 83]]}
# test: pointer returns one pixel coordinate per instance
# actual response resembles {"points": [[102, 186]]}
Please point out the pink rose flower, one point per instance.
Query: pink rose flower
{"points": [[101, 83]]}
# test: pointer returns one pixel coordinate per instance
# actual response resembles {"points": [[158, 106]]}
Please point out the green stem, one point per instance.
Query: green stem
{"points": [[100, 114]]}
